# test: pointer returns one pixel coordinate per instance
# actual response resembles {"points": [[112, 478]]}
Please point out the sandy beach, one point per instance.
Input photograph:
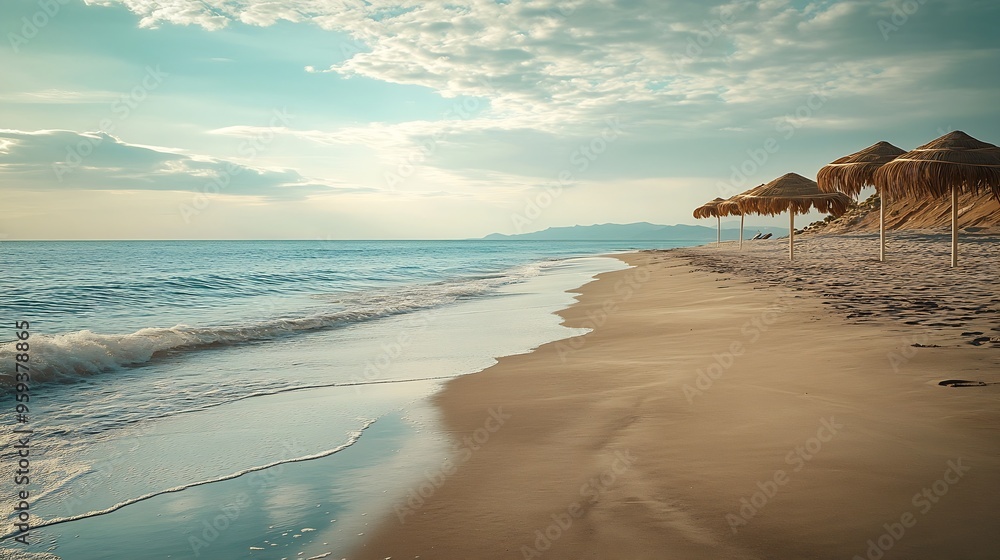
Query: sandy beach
{"points": [[733, 405]]}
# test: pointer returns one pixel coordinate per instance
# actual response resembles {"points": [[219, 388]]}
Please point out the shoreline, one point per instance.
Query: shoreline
{"points": [[430, 346], [677, 424]]}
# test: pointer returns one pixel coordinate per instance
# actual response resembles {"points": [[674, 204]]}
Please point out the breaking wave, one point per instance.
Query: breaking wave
{"points": [[71, 356]]}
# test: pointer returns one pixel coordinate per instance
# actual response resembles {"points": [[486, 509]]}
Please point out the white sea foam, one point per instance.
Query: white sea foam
{"points": [[70, 356], [18, 554]]}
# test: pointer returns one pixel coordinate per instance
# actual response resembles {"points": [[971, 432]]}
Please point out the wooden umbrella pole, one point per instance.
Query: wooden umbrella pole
{"points": [[741, 232], [791, 233], [881, 227], [718, 230], [954, 227]]}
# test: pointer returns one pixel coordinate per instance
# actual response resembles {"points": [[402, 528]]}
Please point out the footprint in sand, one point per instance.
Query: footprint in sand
{"points": [[962, 383]]}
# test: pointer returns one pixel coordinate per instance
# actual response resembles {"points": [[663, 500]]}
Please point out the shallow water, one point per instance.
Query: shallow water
{"points": [[162, 441]]}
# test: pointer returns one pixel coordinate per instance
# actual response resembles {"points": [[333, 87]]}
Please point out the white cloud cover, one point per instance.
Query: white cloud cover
{"points": [[67, 160], [552, 64], [666, 68]]}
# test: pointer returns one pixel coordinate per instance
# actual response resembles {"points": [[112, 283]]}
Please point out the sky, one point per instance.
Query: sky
{"points": [[402, 119]]}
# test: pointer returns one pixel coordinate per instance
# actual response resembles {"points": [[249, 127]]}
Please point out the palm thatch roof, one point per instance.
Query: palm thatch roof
{"points": [[730, 207], [718, 207], [953, 160], [850, 174], [792, 192], [710, 209]]}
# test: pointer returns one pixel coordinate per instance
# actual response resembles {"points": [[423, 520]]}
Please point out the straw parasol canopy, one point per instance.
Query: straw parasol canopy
{"points": [[793, 193], [850, 174], [730, 207], [710, 209], [713, 209], [955, 162]]}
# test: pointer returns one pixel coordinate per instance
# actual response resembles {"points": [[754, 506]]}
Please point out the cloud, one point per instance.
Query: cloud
{"points": [[694, 84], [562, 61], [59, 96], [180, 12], [383, 136], [677, 67], [49, 160]]}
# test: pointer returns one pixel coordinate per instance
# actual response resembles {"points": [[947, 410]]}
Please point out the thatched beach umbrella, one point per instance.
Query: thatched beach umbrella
{"points": [[952, 163], [850, 174], [711, 210], [794, 193]]}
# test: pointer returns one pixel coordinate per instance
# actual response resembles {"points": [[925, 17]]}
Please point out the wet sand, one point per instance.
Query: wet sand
{"points": [[722, 409]]}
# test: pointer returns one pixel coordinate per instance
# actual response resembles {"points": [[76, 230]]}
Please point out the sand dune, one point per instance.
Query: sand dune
{"points": [[978, 212]]}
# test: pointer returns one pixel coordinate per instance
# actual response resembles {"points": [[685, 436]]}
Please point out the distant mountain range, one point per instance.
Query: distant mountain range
{"points": [[639, 231]]}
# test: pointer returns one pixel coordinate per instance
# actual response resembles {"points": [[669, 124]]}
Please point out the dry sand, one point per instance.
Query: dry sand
{"points": [[915, 285], [708, 416]]}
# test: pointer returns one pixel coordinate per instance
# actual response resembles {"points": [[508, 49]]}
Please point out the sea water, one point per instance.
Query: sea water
{"points": [[251, 399]]}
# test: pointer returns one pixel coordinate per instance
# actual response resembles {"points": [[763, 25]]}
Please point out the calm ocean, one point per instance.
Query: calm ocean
{"points": [[251, 399]]}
